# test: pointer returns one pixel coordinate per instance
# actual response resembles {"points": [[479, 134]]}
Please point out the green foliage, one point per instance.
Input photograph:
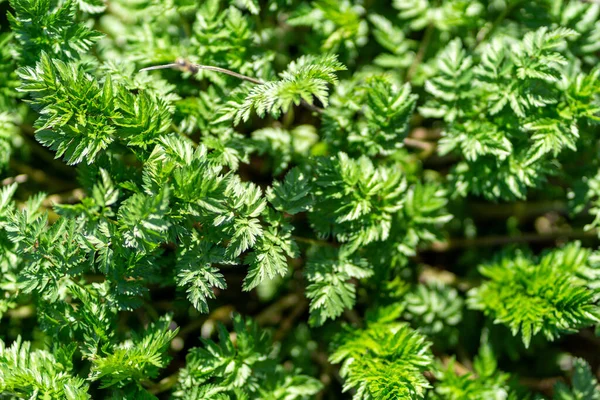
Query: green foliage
{"points": [[243, 367], [509, 115], [136, 360], [356, 200], [585, 385], [383, 361], [435, 310], [339, 25], [549, 296], [329, 290], [292, 200], [7, 130], [293, 195], [449, 15], [369, 117], [44, 26], [486, 381], [304, 78], [80, 118], [26, 373], [285, 146]]}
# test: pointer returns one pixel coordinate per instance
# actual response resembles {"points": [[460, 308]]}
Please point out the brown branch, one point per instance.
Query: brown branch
{"points": [[39, 176], [315, 242], [328, 370], [14, 179], [519, 210], [543, 385], [425, 133], [70, 197], [273, 314], [288, 323], [500, 240], [427, 147], [21, 312], [432, 274], [207, 325], [459, 368], [164, 384]]}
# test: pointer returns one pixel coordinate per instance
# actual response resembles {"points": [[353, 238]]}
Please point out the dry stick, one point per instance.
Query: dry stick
{"points": [[14, 179], [543, 385], [192, 68], [184, 65], [459, 369], [22, 312], [433, 274], [315, 242], [39, 176], [288, 323], [521, 209], [327, 371], [70, 197], [273, 313], [497, 240], [221, 314], [164, 384], [427, 147]]}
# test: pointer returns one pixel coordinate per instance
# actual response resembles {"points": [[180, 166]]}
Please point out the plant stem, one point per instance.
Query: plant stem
{"points": [[40, 177], [273, 313], [221, 314], [499, 240], [421, 52], [70, 197], [427, 147], [192, 68], [315, 242], [164, 385], [288, 323], [14, 179], [432, 274], [520, 210], [484, 34], [22, 312]]}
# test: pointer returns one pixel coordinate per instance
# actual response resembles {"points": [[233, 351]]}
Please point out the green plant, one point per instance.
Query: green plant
{"points": [[289, 200]]}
